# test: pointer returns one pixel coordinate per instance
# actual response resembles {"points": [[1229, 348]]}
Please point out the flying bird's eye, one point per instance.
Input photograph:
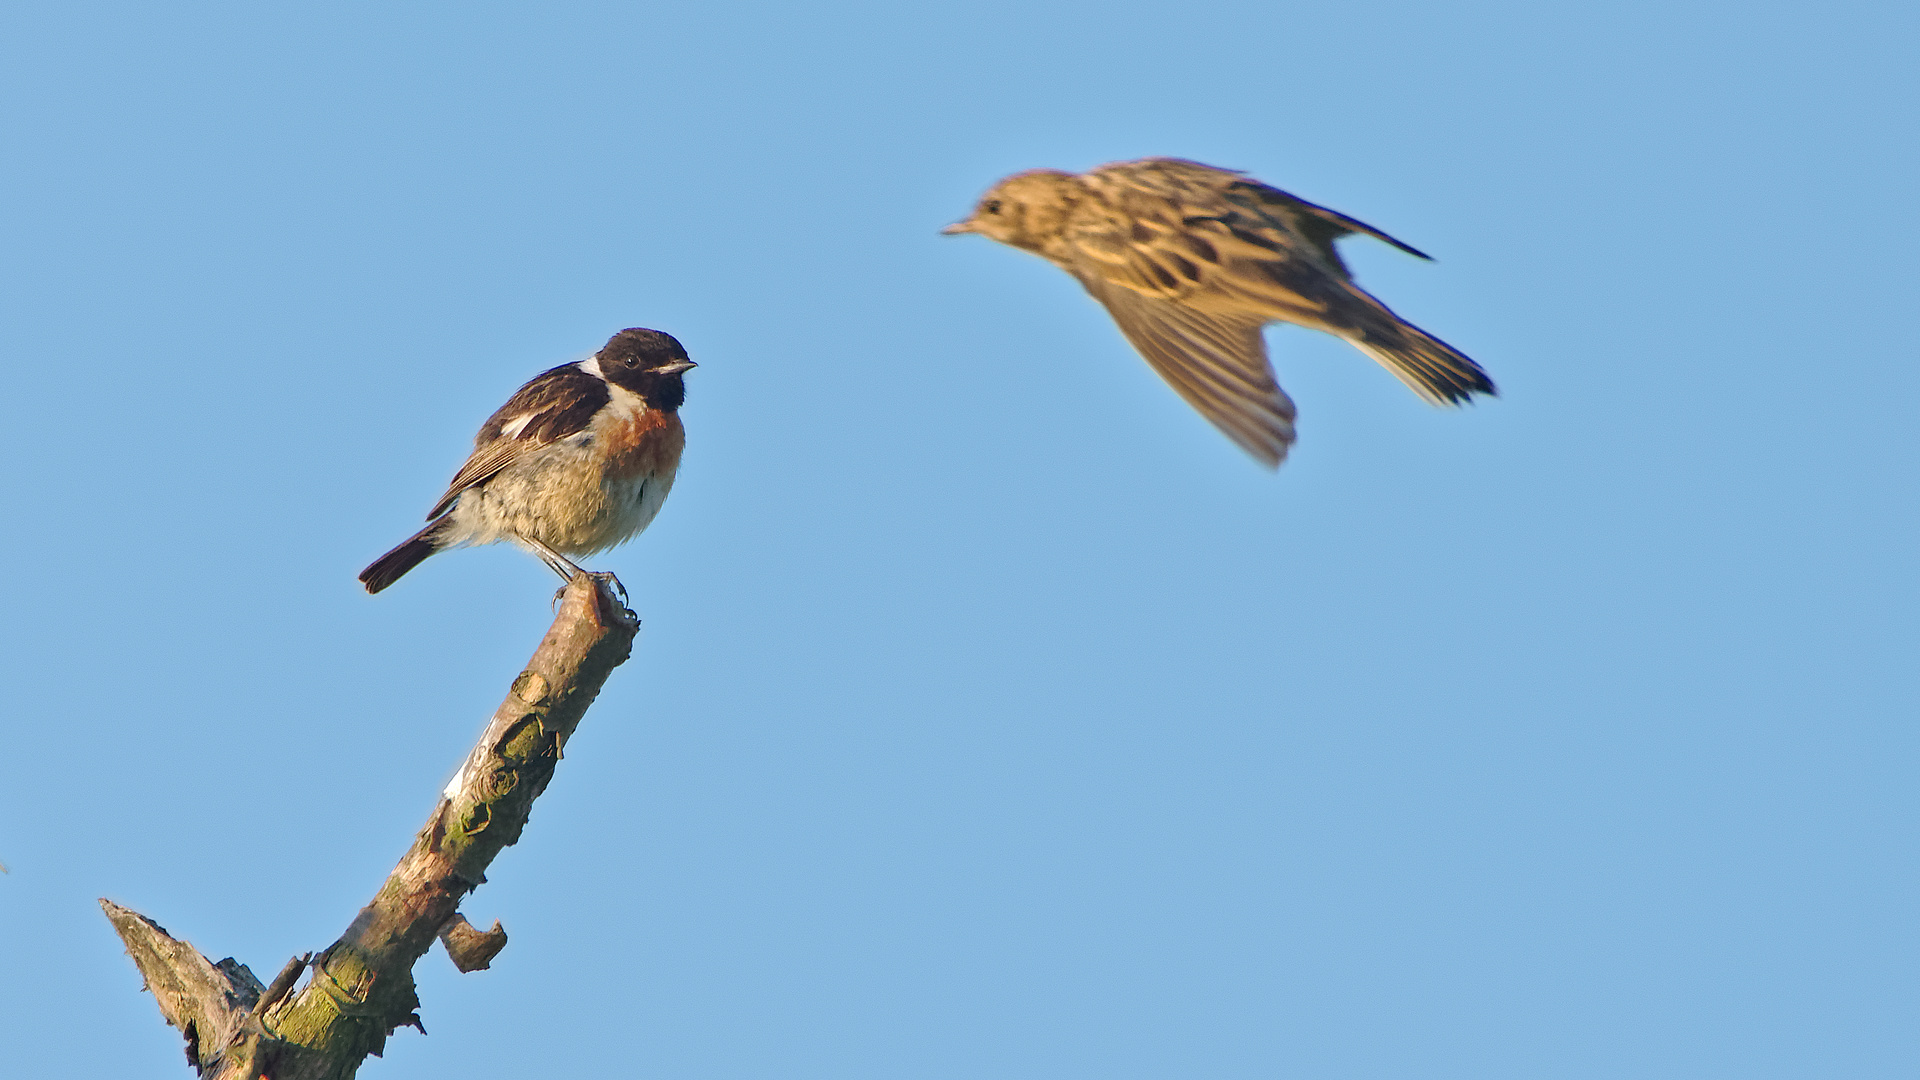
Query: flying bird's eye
{"points": [[991, 206]]}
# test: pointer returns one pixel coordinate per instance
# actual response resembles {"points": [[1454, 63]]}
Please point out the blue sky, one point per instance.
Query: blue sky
{"points": [[993, 716]]}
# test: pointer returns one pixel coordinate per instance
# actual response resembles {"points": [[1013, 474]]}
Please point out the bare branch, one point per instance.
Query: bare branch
{"points": [[361, 989], [206, 1001]]}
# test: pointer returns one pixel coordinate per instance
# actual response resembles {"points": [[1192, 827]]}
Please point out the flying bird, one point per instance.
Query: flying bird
{"points": [[577, 461], [1192, 261]]}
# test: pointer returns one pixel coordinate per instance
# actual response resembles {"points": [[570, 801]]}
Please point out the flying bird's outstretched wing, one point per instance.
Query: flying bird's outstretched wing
{"points": [[1218, 363], [1227, 248]]}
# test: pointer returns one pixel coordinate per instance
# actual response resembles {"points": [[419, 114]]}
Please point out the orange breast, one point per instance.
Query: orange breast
{"points": [[646, 444]]}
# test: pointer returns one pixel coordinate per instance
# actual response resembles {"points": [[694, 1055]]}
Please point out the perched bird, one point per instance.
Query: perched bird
{"points": [[577, 461], [1192, 261]]}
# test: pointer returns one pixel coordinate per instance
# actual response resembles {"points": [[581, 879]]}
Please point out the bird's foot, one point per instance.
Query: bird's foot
{"points": [[601, 580], [608, 579], [625, 612]]}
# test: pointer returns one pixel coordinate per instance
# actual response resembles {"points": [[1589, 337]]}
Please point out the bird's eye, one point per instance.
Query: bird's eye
{"points": [[633, 361], [991, 206]]}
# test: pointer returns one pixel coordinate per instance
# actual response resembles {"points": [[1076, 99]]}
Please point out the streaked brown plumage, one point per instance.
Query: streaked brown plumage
{"points": [[1192, 261]]}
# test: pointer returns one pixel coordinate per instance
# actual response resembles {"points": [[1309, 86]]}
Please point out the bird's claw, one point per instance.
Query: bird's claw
{"points": [[608, 579], [602, 579]]}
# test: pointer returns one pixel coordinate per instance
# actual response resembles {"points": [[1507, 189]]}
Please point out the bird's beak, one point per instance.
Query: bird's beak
{"points": [[675, 368], [959, 227]]}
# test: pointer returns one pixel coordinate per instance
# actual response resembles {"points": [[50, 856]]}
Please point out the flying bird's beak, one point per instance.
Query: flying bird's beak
{"points": [[959, 227], [675, 368]]}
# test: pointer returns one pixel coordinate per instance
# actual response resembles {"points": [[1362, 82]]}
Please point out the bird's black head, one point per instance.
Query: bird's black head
{"points": [[649, 363]]}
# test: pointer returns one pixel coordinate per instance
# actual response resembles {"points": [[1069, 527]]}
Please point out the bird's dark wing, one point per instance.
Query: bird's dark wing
{"points": [[550, 407], [1218, 363], [1318, 224]]}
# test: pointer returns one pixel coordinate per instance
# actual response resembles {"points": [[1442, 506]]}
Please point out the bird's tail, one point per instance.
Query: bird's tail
{"points": [[1430, 367], [387, 568]]}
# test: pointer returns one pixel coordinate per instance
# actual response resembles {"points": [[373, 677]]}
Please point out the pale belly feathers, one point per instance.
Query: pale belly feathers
{"points": [[582, 494]]}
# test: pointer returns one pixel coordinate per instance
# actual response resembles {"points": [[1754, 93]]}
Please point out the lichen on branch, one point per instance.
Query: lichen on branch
{"points": [[361, 988]]}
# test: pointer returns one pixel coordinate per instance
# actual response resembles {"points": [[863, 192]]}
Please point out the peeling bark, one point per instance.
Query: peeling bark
{"points": [[361, 988]]}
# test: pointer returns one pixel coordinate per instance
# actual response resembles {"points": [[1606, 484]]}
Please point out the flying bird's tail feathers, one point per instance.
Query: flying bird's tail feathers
{"points": [[387, 568], [1432, 368]]}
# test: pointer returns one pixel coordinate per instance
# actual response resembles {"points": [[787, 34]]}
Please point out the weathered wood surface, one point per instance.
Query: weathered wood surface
{"points": [[361, 987]]}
